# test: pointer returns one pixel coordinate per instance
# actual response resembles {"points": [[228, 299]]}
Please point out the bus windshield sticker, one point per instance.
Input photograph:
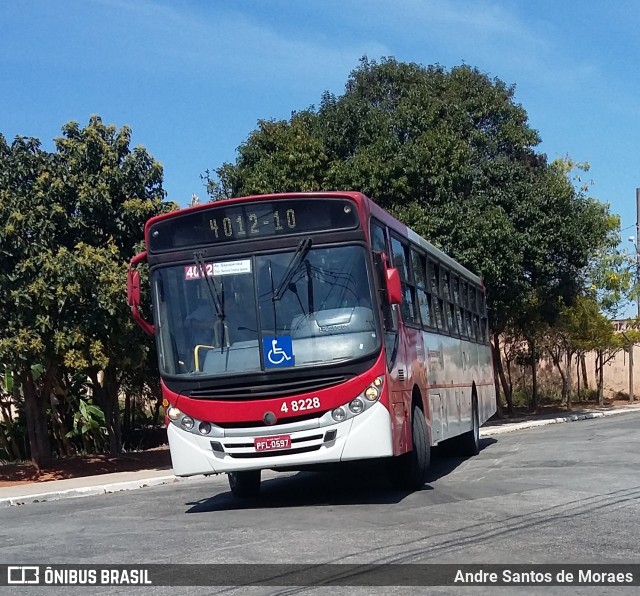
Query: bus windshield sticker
{"points": [[278, 351], [217, 269]]}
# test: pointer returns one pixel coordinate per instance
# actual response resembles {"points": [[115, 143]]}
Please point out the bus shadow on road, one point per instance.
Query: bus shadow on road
{"points": [[358, 483], [445, 460], [345, 484]]}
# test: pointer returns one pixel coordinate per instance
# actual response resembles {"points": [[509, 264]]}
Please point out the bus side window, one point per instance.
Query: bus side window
{"points": [[388, 318], [418, 263], [378, 239], [476, 328], [449, 314], [400, 262], [434, 285], [458, 306]]}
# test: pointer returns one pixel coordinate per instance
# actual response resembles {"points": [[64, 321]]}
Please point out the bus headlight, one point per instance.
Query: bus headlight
{"points": [[339, 414], [173, 413], [372, 393], [187, 422], [204, 428], [356, 405]]}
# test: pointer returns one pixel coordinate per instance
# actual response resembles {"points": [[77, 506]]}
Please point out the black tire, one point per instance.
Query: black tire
{"points": [[410, 470], [245, 484], [469, 442]]}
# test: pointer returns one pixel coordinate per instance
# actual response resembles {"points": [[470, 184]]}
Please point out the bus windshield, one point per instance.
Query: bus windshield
{"points": [[305, 307]]}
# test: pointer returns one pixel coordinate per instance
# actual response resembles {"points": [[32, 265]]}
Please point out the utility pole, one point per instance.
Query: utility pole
{"points": [[631, 373], [631, 346], [637, 249]]}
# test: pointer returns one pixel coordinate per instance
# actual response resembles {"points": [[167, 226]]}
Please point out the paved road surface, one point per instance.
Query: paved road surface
{"points": [[567, 493]]}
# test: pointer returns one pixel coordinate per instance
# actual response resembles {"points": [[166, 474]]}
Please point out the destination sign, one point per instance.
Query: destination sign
{"points": [[248, 221]]}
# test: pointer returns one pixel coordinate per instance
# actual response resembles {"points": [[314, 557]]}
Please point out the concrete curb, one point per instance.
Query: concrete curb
{"points": [[29, 494], [516, 426]]}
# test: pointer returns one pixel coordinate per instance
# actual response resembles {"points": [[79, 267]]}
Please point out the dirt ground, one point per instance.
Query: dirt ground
{"points": [[85, 465], [159, 458]]}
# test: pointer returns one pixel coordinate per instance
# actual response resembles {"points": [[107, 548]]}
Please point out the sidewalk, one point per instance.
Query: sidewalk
{"points": [[109, 483], [498, 427]]}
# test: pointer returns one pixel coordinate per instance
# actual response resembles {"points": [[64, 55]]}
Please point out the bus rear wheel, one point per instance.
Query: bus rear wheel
{"points": [[410, 470], [244, 484]]}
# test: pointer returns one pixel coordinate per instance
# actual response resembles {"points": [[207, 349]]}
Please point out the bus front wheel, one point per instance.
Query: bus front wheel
{"points": [[410, 470], [245, 484]]}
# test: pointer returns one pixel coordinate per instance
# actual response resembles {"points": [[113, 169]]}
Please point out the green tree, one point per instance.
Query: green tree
{"points": [[69, 221], [590, 330], [25, 221], [451, 154]]}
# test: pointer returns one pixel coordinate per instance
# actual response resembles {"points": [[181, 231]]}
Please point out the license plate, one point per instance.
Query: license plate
{"points": [[272, 443]]}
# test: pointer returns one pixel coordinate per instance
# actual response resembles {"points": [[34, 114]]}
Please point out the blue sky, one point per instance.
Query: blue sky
{"points": [[192, 77]]}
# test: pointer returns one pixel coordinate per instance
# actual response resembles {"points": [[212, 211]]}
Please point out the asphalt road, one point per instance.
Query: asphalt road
{"points": [[565, 493]]}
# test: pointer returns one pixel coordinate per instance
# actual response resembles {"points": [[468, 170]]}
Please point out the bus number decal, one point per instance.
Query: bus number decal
{"points": [[253, 218], [301, 405], [291, 218], [194, 272]]}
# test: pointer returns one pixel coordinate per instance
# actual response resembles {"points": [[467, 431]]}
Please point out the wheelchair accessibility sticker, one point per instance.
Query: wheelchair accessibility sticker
{"points": [[278, 351]]}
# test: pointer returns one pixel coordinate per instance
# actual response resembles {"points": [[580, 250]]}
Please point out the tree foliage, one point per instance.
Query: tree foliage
{"points": [[452, 155], [69, 222]]}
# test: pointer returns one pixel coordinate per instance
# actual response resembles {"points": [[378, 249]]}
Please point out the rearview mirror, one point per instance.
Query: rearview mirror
{"points": [[133, 288], [394, 287], [133, 293]]}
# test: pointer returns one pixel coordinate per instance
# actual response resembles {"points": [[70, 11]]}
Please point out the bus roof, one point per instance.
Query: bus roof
{"points": [[371, 206], [414, 237]]}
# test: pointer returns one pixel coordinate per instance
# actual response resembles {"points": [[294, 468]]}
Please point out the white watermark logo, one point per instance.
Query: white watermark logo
{"points": [[23, 574]]}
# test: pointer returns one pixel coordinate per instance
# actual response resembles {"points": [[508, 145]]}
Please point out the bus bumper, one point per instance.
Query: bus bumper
{"points": [[365, 436]]}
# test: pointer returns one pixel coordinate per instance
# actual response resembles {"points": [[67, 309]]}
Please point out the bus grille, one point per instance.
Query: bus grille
{"points": [[277, 388], [242, 450]]}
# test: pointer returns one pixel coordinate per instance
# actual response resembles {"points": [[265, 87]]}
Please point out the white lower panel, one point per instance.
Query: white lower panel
{"points": [[365, 436], [370, 435]]}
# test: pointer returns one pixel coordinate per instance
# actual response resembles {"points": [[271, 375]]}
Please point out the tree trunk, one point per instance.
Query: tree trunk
{"points": [[496, 382], [499, 373], [103, 393], [60, 430], [36, 415], [506, 387], [600, 377], [127, 421], [556, 358], [99, 399], [509, 375], [534, 375], [583, 365], [569, 380], [112, 389]]}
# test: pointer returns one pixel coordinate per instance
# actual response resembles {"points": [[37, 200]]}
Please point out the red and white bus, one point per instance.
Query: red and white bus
{"points": [[307, 328]]}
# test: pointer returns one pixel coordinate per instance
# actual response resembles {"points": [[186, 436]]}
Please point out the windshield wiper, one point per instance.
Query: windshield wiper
{"points": [[298, 256], [216, 299], [218, 304]]}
